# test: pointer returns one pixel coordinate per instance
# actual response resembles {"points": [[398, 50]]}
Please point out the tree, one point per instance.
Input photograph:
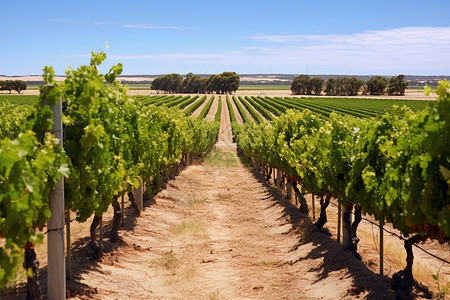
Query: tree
{"points": [[226, 82], [198, 84], [7, 85], [300, 85], [214, 84], [397, 85], [353, 86], [330, 87], [376, 85], [175, 83], [18, 85], [172, 83], [315, 84], [343, 86], [156, 84], [187, 88]]}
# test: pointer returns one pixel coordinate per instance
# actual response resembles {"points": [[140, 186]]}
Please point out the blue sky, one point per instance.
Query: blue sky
{"points": [[158, 37]]}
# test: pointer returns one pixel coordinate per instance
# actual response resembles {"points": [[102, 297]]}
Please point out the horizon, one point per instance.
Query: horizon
{"points": [[389, 38], [247, 74]]}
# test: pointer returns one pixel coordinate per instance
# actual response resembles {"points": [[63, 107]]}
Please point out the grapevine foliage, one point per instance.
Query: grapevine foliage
{"points": [[395, 167], [31, 162], [111, 144]]}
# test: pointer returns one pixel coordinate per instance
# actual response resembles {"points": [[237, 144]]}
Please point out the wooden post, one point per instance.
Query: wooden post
{"points": [[289, 191], [278, 178], [69, 247], [139, 197], [56, 268], [123, 209], [339, 223], [381, 250], [313, 207], [346, 227], [101, 230]]}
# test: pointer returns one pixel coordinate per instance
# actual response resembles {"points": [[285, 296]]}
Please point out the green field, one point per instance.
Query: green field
{"points": [[19, 99]]}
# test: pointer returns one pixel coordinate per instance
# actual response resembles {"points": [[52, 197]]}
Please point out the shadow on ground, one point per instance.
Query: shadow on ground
{"points": [[327, 251]]}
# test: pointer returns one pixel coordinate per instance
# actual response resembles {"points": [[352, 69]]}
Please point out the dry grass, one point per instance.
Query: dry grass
{"points": [[224, 196], [174, 270], [220, 158], [191, 228], [167, 261], [194, 201]]}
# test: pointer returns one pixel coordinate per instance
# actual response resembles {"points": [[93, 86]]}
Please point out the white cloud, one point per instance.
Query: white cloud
{"points": [[410, 50], [407, 49], [152, 26], [404, 35]]}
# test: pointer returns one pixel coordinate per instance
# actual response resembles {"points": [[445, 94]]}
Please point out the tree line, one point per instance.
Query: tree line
{"points": [[13, 85], [349, 86], [224, 83]]}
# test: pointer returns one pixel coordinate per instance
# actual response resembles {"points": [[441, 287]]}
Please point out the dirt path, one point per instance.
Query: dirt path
{"points": [[247, 113], [236, 111], [217, 232], [197, 112], [212, 111], [257, 112]]}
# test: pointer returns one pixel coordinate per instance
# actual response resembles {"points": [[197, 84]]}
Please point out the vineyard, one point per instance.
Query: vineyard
{"points": [[393, 167], [387, 159]]}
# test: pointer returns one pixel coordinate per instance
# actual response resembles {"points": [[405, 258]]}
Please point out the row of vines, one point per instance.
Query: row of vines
{"points": [[112, 144], [395, 167]]}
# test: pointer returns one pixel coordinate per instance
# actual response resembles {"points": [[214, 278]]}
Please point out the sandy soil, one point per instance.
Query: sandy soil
{"points": [[257, 112], [219, 232], [236, 111], [212, 111], [196, 113]]}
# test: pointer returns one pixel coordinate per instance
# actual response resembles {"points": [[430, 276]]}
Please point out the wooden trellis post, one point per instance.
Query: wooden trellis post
{"points": [[278, 178], [346, 227], [123, 209], [56, 268], [139, 197], [68, 247], [381, 250], [339, 223], [313, 207]]}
